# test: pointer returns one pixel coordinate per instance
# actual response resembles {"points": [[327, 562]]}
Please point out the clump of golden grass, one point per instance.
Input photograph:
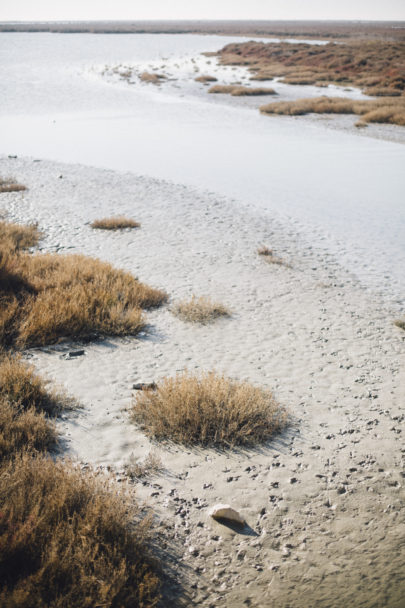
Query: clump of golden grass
{"points": [[71, 539], [137, 469], [209, 410], [10, 185], [238, 91], [206, 79], [17, 237], [152, 78], [19, 384], [400, 324], [269, 256], [114, 223], [199, 310], [46, 297], [385, 110]]}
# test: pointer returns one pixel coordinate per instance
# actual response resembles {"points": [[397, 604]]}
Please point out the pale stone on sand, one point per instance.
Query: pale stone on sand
{"points": [[226, 512]]}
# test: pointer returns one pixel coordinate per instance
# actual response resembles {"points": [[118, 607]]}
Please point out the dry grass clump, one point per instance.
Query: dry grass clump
{"points": [[17, 237], [152, 78], [386, 110], [238, 91], [209, 410], [269, 256], [20, 385], [200, 310], [400, 324], [114, 223], [138, 469], [46, 297], [69, 539], [206, 79], [10, 185]]}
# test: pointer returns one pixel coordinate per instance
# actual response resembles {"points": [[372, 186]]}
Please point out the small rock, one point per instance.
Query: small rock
{"points": [[76, 353], [144, 386], [226, 512]]}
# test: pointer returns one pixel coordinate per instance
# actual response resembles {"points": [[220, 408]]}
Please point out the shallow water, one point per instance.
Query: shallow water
{"points": [[345, 191]]}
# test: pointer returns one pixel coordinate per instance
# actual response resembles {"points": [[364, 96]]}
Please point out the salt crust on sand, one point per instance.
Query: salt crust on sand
{"points": [[323, 501]]}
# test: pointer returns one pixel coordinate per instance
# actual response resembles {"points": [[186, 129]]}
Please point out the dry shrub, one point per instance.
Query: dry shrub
{"points": [[10, 185], [200, 310], [69, 539], [385, 110], [400, 324], [17, 237], [238, 91], [209, 410], [138, 469], [46, 297], [20, 385], [382, 92], [206, 79], [115, 223], [152, 78], [269, 256], [23, 430]]}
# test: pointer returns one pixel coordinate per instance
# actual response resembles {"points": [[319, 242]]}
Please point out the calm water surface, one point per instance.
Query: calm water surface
{"points": [[346, 191]]}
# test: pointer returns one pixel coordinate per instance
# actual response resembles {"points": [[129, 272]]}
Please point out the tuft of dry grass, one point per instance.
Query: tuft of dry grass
{"points": [[18, 237], [115, 223], [70, 539], [10, 185], [400, 324], [200, 310], [138, 469], [20, 385], [208, 410], [386, 110], [268, 255], [46, 297], [151, 78], [238, 91], [206, 79]]}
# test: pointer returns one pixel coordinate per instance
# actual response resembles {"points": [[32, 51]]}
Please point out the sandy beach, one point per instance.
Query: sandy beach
{"points": [[323, 501]]}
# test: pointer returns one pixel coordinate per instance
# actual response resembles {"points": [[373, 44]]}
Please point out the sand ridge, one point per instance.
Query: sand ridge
{"points": [[324, 502]]}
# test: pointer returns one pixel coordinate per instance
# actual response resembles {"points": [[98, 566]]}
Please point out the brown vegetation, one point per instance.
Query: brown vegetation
{"points": [[16, 236], [238, 91], [206, 79], [138, 469], [46, 297], [115, 223], [209, 410], [10, 185], [269, 256], [152, 78], [200, 310], [400, 324], [70, 539]]}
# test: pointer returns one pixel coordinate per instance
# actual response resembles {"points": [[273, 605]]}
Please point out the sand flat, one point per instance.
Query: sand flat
{"points": [[324, 501]]}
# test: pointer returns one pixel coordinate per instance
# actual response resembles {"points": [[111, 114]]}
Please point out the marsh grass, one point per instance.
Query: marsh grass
{"points": [[400, 324], [384, 110], [208, 410], [268, 255], [204, 79], [115, 223], [71, 539], [10, 185], [199, 310], [47, 297], [239, 91]]}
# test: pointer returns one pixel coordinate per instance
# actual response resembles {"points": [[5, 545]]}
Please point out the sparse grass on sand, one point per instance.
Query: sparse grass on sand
{"points": [[400, 324], [268, 254], [115, 223], [238, 91], [151, 77], [199, 310], [208, 410], [46, 297], [70, 539], [206, 79], [138, 469], [10, 185], [384, 110]]}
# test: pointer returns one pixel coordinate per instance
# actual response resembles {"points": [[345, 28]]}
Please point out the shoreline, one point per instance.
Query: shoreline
{"points": [[323, 501]]}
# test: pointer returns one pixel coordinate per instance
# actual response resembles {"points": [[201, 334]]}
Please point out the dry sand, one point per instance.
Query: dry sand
{"points": [[324, 502]]}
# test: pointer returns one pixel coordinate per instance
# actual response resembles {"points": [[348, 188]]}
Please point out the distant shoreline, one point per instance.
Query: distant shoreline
{"points": [[311, 29]]}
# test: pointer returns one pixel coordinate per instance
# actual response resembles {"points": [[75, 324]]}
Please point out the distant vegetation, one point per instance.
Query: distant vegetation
{"points": [[114, 223], [239, 91], [205, 79], [10, 185], [151, 77]]}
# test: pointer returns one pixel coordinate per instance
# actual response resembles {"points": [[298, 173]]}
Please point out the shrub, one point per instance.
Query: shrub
{"points": [[17, 237], [209, 410], [199, 310], [152, 78], [206, 79], [114, 223], [70, 539], [10, 185], [238, 91], [400, 324]]}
